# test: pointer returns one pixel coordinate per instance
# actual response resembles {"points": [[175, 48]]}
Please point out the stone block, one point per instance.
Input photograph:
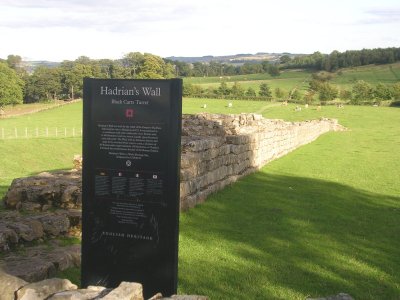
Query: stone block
{"points": [[37, 268], [8, 285], [92, 292], [54, 225], [126, 291], [8, 238], [43, 289]]}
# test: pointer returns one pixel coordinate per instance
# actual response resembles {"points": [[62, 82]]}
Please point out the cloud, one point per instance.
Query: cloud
{"points": [[382, 16], [103, 15]]}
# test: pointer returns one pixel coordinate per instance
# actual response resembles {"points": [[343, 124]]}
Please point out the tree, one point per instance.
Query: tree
{"points": [[237, 90], [200, 69], [154, 67], [187, 89], [43, 84], [327, 92], [284, 59], [362, 91], [11, 86], [345, 95], [279, 93], [223, 89], [133, 61], [250, 92], [265, 91], [273, 70], [396, 91], [251, 68], [295, 95], [14, 61], [315, 85], [383, 92], [181, 68], [309, 97], [72, 75], [265, 65]]}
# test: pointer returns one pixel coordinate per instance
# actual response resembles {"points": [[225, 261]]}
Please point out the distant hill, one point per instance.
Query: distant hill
{"points": [[30, 66], [233, 59]]}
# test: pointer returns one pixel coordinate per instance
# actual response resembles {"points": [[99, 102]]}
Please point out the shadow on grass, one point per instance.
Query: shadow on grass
{"points": [[280, 237]]}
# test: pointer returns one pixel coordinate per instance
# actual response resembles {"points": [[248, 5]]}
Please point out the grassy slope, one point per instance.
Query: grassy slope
{"points": [[288, 80], [321, 220], [23, 157]]}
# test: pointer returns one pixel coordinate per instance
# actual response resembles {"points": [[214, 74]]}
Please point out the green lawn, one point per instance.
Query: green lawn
{"points": [[322, 220], [23, 157]]}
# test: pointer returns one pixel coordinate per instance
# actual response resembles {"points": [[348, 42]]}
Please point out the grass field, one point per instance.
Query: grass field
{"points": [[22, 157], [287, 81], [322, 220], [290, 79]]}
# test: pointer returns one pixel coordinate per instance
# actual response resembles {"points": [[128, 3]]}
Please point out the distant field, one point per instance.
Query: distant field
{"points": [[196, 105], [290, 79], [372, 74], [287, 81]]}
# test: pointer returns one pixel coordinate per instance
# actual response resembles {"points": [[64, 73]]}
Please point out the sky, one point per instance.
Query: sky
{"points": [[57, 30]]}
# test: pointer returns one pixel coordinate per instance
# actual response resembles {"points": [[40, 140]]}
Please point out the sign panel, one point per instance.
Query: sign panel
{"points": [[131, 154]]}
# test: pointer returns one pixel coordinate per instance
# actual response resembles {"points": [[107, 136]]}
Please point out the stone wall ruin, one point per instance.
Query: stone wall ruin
{"points": [[216, 151], [219, 149]]}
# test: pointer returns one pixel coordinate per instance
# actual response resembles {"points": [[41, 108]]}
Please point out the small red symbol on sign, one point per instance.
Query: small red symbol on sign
{"points": [[129, 113]]}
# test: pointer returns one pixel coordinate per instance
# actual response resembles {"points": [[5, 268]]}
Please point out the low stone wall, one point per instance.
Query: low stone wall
{"points": [[216, 151], [219, 149], [12, 287]]}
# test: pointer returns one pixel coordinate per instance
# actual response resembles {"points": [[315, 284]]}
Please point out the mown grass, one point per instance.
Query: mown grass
{"points": [[23, 157], [322, 220], [64, 116]]}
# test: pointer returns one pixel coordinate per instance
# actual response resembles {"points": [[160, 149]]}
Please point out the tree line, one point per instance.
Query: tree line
{"points": [[314, 62], [236, 91], [66, 80], [215, 69], [337, 60], [319, 90]]}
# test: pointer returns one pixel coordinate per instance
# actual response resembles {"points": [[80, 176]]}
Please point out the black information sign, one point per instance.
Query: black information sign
{"points": [[131, 154]]}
